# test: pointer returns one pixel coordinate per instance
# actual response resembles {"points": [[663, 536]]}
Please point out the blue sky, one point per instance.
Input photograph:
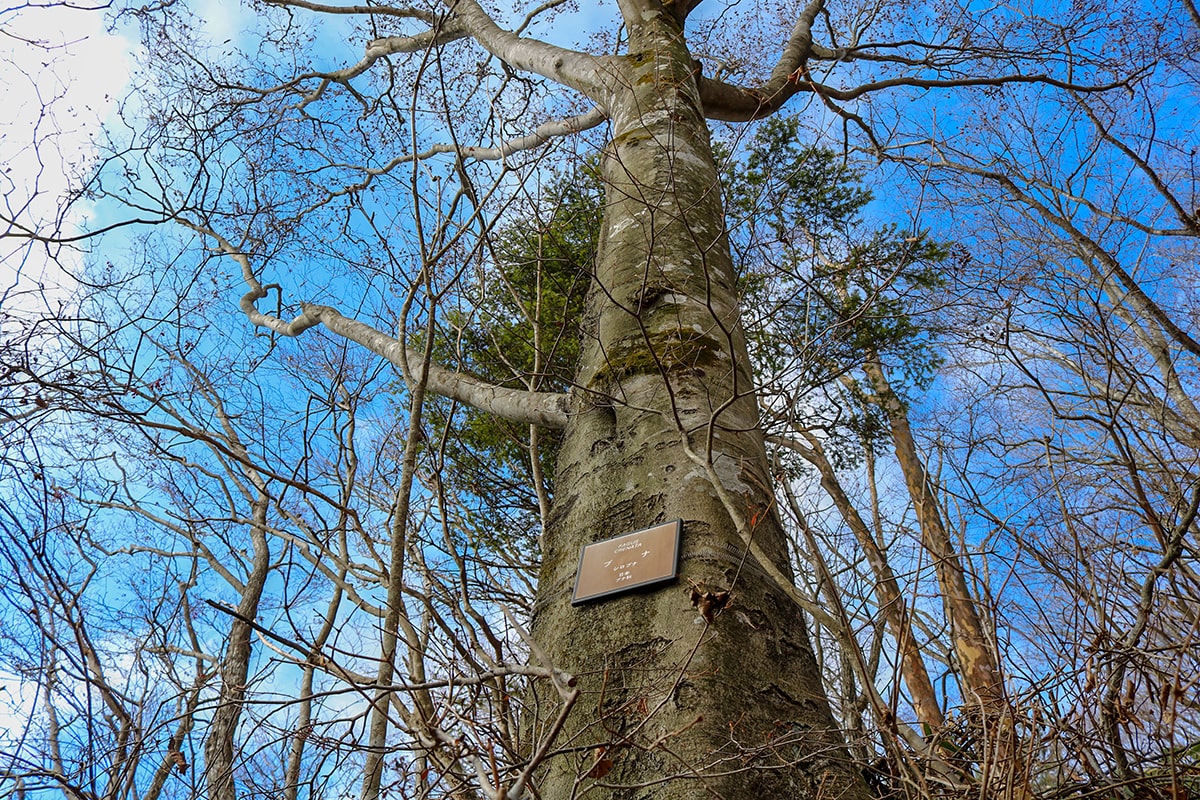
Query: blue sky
{"points": [[87, 78]]}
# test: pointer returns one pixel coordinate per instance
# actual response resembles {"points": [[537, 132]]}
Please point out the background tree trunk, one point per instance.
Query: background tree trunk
{"points": [[219, 749], [984, 692]]}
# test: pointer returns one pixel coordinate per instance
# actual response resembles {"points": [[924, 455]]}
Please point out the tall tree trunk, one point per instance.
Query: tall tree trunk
{"points": [[734, 707], [979, 671], [887, 586], [235, 666]]}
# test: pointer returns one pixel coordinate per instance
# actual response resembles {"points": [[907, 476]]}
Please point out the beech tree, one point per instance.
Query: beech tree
{"points": [[285, 160]]}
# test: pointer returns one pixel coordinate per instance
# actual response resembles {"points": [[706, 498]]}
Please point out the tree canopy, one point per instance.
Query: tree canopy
{"points": [[366, 319]]}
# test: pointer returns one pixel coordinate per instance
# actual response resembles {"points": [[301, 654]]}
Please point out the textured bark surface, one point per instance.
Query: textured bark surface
{"points": [[732, 708], [235, 667]]}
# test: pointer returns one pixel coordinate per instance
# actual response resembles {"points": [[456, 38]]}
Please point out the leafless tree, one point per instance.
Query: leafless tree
{"points": [[352, 203]]}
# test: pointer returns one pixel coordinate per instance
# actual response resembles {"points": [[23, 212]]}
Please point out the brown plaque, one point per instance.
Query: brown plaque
{"points": [[637, 559]]}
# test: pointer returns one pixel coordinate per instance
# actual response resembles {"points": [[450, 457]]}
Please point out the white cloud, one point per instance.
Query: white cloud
{"points": [[222, 21], [64, 74], [18, 699]]}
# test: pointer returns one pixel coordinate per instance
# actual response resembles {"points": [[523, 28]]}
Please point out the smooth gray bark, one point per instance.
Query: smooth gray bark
{"points": [[684, 707]]}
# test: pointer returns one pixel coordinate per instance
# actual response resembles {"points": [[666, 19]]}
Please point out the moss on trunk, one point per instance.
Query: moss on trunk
{"points": [[684, 707]]}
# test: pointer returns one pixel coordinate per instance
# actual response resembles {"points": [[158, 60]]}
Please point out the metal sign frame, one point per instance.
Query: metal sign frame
{"points": [[630, 561]]}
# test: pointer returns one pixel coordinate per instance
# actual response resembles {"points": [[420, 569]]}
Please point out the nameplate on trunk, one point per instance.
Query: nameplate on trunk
{"points": [[630, 561]]}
